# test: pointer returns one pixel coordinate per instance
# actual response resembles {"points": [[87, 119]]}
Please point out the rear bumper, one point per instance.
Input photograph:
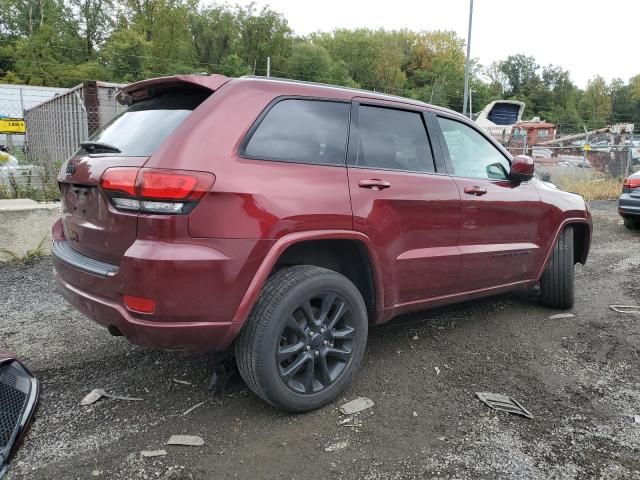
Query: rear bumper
{"points": [[194, 336], [197, 288], [629, 206]]}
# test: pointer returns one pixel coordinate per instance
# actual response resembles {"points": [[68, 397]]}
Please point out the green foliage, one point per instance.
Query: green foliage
{"points": [[63, 42]]}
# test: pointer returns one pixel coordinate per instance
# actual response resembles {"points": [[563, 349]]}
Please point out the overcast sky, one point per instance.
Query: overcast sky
{"points": [[585, 37]]}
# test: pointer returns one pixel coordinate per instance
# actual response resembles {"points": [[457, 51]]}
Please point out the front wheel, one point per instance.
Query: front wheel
{"points": [[305, 338], [631, 223], [556, 283]]}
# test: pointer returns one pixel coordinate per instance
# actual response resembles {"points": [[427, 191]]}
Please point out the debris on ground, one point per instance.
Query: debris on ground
{"points": [[415, 414], [636, 418], [503, 403], [352, 422], [357, 405], [336, 446], [189, 410], [437, 371], [186, 440], [182, 382], [153, 453], [94, 395], [628, 309], [559, 316], [415, 337]]}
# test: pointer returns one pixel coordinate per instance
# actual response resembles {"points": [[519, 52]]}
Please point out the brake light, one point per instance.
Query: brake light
{"points": [[631, 182], [155, 191]]}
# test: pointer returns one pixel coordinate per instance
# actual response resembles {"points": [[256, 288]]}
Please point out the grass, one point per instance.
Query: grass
{"points": [[29, 257], [591, 188]]}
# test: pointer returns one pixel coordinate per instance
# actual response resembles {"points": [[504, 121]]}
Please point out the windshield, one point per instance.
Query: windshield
{"points": [[139, 130]]}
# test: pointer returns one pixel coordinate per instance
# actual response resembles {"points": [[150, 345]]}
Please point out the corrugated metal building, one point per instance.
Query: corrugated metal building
{"points": [[56, 127]]}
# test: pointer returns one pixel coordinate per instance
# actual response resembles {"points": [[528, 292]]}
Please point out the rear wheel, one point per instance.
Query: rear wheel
{"points": [[304, 339], [556, 284], [631, 223]]}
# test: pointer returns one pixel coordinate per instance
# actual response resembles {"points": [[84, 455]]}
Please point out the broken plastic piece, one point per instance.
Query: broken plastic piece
{"points": [[503, 403], [153, 453], [628, 309], [355, 406], [186, 440]]}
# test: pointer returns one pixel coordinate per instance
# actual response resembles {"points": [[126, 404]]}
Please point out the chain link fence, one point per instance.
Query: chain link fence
{"points": [[53, 123]]}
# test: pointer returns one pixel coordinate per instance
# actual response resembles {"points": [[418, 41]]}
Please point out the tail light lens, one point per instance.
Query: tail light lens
{"points": [[155, 191], [631, 182]]}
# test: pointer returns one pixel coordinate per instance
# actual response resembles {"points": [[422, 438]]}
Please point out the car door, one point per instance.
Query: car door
{"points": [[500, 232], [403, 201]]}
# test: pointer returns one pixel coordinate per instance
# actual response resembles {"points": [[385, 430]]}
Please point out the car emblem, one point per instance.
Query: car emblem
{"points": [[71, 168]]}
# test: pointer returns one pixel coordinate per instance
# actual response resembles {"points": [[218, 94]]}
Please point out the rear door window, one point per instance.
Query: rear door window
{"points": [[139, 130], [302, 131], [393, 139]]}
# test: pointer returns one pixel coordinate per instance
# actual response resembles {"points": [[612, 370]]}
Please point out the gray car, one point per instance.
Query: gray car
{"points": [[629, 203]]}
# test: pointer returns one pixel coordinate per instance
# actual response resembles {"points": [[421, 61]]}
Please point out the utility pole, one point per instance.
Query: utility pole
{"points": [[471, 103], [466, 68], [268, 66]]}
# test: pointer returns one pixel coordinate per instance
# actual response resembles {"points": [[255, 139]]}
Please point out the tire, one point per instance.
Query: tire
{"points": [[556, 284], [263, 349], [631, 223]]}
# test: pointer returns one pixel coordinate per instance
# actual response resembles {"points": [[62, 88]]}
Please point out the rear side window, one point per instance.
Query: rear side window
{"points": [[393, 139], [304, 131], [139, 130]]}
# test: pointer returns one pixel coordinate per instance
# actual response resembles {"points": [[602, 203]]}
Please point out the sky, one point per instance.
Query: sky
{"points": [[583, 36]]}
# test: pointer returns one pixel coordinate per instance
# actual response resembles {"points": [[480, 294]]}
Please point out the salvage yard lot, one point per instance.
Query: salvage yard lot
{"points": [[579, 377]]}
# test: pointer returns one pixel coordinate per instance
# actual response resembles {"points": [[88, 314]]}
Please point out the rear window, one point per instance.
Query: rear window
{"points": [[139, 130], [302, 131]]}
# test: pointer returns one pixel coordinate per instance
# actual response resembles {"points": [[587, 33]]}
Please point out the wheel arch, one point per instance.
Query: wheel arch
{"points": [[581, 241], [299, 245]]}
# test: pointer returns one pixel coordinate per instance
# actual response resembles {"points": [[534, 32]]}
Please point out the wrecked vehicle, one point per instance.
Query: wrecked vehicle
{"points": [[19, 392], [281, 218]]}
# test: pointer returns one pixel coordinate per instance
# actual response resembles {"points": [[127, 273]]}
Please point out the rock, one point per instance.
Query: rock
{"points": [[336, 446], [415, 337], [153, 453], [559, 316], [186, 440], [437, 371], [636, 418], [355, 406], [415, 414]]}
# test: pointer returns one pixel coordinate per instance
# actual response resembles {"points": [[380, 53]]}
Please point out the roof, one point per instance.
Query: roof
{"points": [[529, 124]]}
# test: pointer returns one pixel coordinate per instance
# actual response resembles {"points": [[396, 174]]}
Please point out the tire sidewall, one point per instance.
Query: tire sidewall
{"points": [[267, 368]]}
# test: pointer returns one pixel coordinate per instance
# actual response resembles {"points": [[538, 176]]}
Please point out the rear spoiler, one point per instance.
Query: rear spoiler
{"points": [[146, 88]]}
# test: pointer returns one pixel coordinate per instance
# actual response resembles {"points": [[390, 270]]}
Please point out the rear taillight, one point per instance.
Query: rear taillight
{"points": [[155, 191], [631, 182]]}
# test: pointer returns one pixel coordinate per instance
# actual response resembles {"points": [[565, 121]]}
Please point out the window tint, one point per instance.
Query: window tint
{"points": [[305, 131], [393, 139], [139, 130], [472, 155]]}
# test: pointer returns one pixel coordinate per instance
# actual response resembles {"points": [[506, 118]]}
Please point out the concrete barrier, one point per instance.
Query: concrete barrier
{"points": [[23, 226]]}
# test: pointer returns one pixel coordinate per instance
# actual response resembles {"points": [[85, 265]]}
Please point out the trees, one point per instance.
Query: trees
{"points": [[62, 42]]}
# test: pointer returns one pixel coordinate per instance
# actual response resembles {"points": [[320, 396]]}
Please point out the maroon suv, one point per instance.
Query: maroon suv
{"points": [[285, 217]]}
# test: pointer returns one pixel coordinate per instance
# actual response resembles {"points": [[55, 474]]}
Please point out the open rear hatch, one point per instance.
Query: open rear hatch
{"points": [[94, 224]]}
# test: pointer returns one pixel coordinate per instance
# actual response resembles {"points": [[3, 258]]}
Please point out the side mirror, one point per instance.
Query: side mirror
{"points": [[521, 168]]}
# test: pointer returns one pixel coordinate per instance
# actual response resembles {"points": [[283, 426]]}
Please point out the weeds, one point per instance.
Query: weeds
{"points": [[591, 188], [29, 257]]}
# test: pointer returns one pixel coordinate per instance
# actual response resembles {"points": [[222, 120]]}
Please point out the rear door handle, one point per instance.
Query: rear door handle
{"points": [[374, 184], [477, 191]]}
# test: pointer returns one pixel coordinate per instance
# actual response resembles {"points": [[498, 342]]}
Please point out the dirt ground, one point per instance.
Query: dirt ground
{"points": [[580, 378]]}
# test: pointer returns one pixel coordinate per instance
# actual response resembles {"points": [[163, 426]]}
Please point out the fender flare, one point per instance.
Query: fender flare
{"points": [[262, 274], [565, 222]]}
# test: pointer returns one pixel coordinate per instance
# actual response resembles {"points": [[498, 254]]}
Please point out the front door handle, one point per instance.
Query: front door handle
{"points": [[374, 184], [477, 191]]}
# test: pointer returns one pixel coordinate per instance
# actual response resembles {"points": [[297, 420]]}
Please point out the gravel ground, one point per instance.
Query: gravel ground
{"points": [[580, 377]]}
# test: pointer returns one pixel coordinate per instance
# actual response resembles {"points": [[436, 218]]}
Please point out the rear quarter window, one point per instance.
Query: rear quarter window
{"points": [[301, 131]]}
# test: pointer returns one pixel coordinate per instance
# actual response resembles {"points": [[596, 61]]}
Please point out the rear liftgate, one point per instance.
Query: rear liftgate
{"points": [[18, 399]]}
